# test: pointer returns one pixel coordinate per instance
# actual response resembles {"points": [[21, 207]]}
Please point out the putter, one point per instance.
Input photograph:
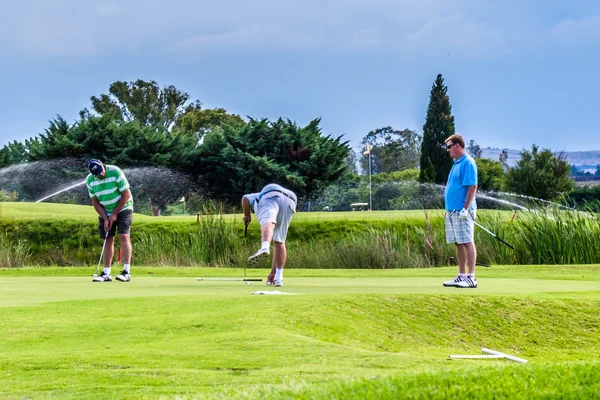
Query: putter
{"points": [[493, 234], [231, 279], [101, 254], [245, 234], [490, 232]]}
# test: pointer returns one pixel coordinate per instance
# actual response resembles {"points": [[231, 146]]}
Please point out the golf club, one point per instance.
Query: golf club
{"points": [[493, 234], [452, 262], [245, 234], [231, 279], [101, 254]]}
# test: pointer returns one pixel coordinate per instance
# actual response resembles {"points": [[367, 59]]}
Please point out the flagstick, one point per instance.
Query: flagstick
{"points": [[370, 192]]}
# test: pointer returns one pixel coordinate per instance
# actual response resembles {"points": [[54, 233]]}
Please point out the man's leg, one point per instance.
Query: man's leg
{"points": [[266, 232], [461, 255], [266, 235], [125, 241], [471, 256], [109, 252], [279, 258]]}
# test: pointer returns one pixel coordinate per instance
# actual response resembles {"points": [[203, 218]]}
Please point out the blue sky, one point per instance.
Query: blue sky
{"points": [[518, 72]]}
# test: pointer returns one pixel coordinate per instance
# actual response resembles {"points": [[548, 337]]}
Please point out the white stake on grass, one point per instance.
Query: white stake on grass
{"points": [[491, 354], [460, 356], [507, 356]]}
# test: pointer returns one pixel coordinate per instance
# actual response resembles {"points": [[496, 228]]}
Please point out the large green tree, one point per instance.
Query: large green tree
{"points": [[200, 121], [490, 175], [391, 150], [235, 161], [144, 102], [439, 125], [541, 174]]}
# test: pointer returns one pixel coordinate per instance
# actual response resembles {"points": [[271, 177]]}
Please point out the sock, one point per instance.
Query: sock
{"points": [[126, 267], [463, 276], [471, 276], [107, 270], [279, 273], [265, 245]]}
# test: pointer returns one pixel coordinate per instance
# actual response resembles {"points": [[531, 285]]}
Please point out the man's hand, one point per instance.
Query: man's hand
{"points": [[109, 223], [463, 215], [247, 219], [271, 278]]}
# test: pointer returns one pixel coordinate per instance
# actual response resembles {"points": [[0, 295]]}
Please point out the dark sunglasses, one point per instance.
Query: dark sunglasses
{"points": [[449, 146]]}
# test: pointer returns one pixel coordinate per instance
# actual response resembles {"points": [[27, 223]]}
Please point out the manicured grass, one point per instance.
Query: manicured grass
{"points": [[344, 334], [26, 211]]}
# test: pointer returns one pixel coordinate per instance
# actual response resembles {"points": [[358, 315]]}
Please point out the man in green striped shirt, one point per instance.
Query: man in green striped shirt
{"points": [[109, 190]]}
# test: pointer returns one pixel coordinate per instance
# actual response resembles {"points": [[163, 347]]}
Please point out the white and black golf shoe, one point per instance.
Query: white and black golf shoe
{"points": [[279, 282], [454, 282], [259, 256], [123, 276], [468, 283], [103, 277]]}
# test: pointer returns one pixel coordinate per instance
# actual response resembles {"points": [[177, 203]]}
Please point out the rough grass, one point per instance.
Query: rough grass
{"points": [[347, 334]]}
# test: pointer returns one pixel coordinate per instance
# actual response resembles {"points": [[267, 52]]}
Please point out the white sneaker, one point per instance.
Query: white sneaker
{"points": [[468, 283], [454, 282], [279, 282], [259, 256], [123, 276], [103, 277]]}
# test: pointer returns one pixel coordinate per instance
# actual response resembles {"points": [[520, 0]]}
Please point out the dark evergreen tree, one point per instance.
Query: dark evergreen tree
{"points": [[235, 161], [439, 125]]}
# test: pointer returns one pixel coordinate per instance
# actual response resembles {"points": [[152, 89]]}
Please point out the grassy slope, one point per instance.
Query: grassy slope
{"points": [[26, 211], [353, 334]]}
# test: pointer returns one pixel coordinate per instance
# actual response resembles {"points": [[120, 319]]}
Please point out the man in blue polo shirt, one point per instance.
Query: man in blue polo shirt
{"points": [[461, 211]]}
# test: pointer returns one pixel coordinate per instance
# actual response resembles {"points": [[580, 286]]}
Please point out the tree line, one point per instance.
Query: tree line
{"points": [[143, 125], [140, 124]]}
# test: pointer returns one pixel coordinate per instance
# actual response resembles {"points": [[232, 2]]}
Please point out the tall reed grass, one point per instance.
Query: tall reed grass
{"points": [[215, 242], [14, 254], [543, 237]]}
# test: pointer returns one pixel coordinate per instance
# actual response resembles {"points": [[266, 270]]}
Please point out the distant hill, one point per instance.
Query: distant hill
{"points": [[581, 159]]}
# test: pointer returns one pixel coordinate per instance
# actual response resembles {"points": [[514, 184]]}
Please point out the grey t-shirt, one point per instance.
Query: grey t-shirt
{"points": [[271, 190]]}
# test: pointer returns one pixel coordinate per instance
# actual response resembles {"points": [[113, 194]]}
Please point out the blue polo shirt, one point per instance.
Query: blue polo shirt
{"points": [[462, 175]]}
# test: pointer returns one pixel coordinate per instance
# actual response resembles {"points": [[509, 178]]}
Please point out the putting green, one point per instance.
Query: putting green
{"points": [[16, 291]]}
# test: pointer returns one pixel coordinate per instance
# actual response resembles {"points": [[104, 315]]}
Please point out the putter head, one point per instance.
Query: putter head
{"points": [[94, 275]]}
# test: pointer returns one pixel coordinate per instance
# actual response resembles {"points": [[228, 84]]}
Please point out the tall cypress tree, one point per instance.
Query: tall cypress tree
{"points": [[439, 125]]}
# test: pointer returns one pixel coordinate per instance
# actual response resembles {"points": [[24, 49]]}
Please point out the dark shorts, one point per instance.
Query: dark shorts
{"points": [[124, 220]]}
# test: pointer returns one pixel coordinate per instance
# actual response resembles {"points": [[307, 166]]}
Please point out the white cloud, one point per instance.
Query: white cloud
{"points": [[467, 28], [108, 9], [456, 34], [250, 36], [577, 30]]}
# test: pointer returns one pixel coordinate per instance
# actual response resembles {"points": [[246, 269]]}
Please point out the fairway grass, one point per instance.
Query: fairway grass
{"points": [[339, 334]]}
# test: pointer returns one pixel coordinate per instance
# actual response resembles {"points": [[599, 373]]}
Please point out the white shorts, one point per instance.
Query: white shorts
{"points": [[278, 210], [458, 231]]}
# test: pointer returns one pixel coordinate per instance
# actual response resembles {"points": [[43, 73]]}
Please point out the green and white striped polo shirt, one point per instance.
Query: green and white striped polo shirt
{"points": [[108, 190]]}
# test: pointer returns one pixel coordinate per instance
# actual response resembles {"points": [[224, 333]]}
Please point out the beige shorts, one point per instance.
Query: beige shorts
{"points": [[458, 231], [278, 210]]}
